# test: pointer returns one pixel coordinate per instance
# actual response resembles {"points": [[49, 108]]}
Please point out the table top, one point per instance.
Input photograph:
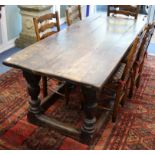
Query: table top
{"points": [[85, 53]]}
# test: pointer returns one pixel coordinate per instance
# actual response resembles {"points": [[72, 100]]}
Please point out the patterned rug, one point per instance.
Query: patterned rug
{"points": [[134, 129]]}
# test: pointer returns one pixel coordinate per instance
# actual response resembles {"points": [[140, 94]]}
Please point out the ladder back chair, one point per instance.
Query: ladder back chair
{"points": [[73, 13], [139, 63], [127, 10], [118, 85], [45, 26]]}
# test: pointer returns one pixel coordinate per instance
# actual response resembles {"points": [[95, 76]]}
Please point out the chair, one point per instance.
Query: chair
{"points": [[127, 10], [44, 27], [139, 63], [73, 13], [117, 87]]}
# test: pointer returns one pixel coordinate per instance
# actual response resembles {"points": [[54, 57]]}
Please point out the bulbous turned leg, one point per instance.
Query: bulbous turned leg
{"points": [[88, 127], [33, 91]]}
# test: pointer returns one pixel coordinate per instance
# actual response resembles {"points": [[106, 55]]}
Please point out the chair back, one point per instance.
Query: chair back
{"points": [[73, 13], [132, 56], [46, 25], [149, 29], [127, 10]]}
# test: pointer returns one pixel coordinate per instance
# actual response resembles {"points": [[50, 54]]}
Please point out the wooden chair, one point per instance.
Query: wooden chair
{"points": [[127, 10], [44, 27], [73, 13], [139, 63], [118, 85]]}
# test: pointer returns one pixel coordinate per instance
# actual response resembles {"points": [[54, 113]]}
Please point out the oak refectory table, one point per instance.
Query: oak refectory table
{"points": [[85, 53]]}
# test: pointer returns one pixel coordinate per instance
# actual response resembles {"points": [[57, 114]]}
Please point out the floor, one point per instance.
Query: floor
{"points": [[5, 55]]}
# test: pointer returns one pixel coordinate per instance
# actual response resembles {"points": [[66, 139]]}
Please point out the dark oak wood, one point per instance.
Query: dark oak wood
{"points": [[87, 58], [127, 10], [73, 56], [88, 128], [33, 89], [35, 114], [73, 13]]}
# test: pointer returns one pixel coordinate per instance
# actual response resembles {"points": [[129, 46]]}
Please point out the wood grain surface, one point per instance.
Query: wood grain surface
{"points": [[85, 53]]}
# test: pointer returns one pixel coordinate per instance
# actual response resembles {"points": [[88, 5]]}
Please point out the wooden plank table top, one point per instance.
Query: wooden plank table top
{"points": [[86, 52]]}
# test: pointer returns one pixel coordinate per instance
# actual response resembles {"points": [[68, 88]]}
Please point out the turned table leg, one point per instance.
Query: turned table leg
{"points": [[33, 90], [88, 127]]}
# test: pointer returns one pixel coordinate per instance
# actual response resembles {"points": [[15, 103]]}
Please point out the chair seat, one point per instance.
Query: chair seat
{"points": [[117, 76], [108, 94], [111, 86], [109, 90]]}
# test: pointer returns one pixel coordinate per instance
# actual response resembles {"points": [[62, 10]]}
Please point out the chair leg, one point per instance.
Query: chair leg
{"points": [[132, 84], [138, 81], [139, 76], [115, 109], [114, 115], [44, 82], [124, 99]]}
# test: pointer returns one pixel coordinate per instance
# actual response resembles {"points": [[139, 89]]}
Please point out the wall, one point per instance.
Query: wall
{"points": [[62, 11], [13, 21], [151, 14], [0, 33]]}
